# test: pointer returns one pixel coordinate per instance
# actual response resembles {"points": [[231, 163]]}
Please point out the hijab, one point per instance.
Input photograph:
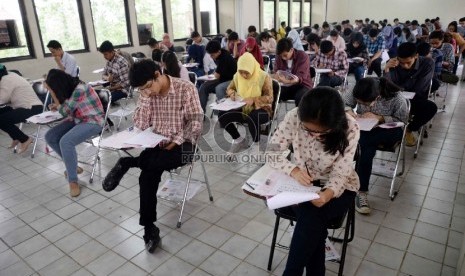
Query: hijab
{"points": [[251, 87], [251, 42], [295, 38], [166, 41]]}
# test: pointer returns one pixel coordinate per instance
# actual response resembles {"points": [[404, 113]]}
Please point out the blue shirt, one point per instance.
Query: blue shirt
{"points": [[196, 52], [376, 46]]}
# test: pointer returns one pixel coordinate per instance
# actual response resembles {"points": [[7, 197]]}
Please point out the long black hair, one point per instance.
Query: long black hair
{"points": [[368, 89], [171, 67], [61, 84], [324, 105]]}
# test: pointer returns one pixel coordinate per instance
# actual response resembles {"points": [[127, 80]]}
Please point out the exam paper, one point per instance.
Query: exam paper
{"points": [[289, 198], [227, 105]]}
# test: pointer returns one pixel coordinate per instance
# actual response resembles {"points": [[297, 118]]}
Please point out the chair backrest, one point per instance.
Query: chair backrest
{"points": [[193, 77], [138, 55], [179, 49], [276, 97], [266, 63], [16, 72], [42, 93], [78, 71]]}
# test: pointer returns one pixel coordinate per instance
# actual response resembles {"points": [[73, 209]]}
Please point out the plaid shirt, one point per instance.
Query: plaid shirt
{"points": [[118, 67], [177, 116], [337, 62], [437, 56], [373, 47], [84, 106], [448, 55]]}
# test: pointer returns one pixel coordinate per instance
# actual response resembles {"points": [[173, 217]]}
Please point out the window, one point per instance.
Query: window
{"points": [[14, 33], [208, 17], [150, 20], [284, 12], [306, 14], [295, 14], [268, 15], [111, 21], [60, 20], [182, 15]]}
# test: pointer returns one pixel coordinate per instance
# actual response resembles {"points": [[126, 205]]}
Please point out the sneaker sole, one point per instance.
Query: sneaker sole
{"points": [[363, 210]]}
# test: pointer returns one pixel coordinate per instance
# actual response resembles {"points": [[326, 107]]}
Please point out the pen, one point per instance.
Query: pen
{"points": [[251, 187], [308, 171]]}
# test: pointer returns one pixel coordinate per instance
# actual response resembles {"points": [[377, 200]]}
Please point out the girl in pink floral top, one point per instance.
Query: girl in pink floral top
{"points": [[324, 141]]}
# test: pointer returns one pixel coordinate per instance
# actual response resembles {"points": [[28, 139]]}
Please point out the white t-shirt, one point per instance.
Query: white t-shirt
{"points": [[17, 92]]}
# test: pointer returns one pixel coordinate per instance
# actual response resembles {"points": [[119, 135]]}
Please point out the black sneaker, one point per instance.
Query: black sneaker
{"points": [[113, 178], [152, 238]]}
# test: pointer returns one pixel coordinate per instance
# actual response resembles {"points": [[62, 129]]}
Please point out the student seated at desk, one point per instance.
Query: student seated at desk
{"points": [[81, 106], [64, 61], [116, 71], [268, 44], [424, 50], [337, 40], [253, 86], [171, 107], [324, 140], [294, 36], [413, 74], [235, 45], [170, 65], [436, 39], [155, 45], [297, 63], [375, 45], [21, 102], [331, 58], [167, 42], [357, 49], [224, 73], [252, 47], [379, 99]]}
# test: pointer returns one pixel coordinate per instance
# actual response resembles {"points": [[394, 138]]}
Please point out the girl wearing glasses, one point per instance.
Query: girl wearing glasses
{"points": [[324, 140], [380, 99]]}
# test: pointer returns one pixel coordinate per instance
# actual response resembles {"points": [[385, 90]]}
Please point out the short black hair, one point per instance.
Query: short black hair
{"points": [[396, 19], [106, 46], [406, 50], [195, 34], [415, 22], [338, 28], [436, 35], [347, 31], [213, 46], [264, 35], [313, 39], [326, 46], [251, 28], [233, 36], [284, 45], [373, 32], [54, 44], [368, 89], [143, 71], [423, 48], [324, 106], [333, 33], [283, 23], [397, 31], [152, 42], [156, 55], [325, 25], [228, 31], [462, 19]]}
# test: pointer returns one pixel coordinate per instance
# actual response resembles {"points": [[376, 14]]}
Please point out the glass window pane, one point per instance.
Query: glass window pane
{"points": [[208, 17], [182, 13], [60, 20], [284, 12], [268, 15], [109, 17], [150, 20], [295, 14], [13, 41], [306, 15]]}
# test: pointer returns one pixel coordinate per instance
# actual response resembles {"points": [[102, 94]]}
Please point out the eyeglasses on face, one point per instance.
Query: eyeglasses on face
{"points": [[313, 132]]}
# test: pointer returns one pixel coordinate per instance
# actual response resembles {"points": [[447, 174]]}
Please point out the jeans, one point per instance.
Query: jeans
{"points": [[219, 88], [64, 138], [369, 141], [358, 69], [333, 81], [153, 162], [422, 110], [117, 95], [375, 66], [253, 120], [308, 241], [9, 117], [294, 92]]}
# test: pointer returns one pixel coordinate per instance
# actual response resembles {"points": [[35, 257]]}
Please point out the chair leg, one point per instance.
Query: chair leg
{"points": [[183, 202], [349, 224], [210, 196], [419, 142], [36, 138], [273, 243]]}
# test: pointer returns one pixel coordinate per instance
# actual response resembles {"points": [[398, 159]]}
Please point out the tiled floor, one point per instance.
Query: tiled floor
{"points": [[45, 232]]}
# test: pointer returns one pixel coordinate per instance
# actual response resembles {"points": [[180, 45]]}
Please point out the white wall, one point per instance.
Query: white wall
{"points": [[447, 10], [227, 11]]}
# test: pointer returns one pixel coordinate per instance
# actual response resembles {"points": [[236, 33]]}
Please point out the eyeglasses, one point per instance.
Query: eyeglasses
{"points": [[313, 132], [147, 85]]}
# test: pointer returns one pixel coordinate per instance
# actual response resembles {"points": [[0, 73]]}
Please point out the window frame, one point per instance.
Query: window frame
{"points": [[27, 34], [309, 11], [217, 14], [83, 30], [165, 20], [128, 26], [194, 11], [288, 11], [300, 12], [262, 25]]}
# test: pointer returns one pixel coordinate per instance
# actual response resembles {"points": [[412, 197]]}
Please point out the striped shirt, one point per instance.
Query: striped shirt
{"points": [[118, 67], [337, 62], [394, 109], [84, 106], [177, 116]]}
